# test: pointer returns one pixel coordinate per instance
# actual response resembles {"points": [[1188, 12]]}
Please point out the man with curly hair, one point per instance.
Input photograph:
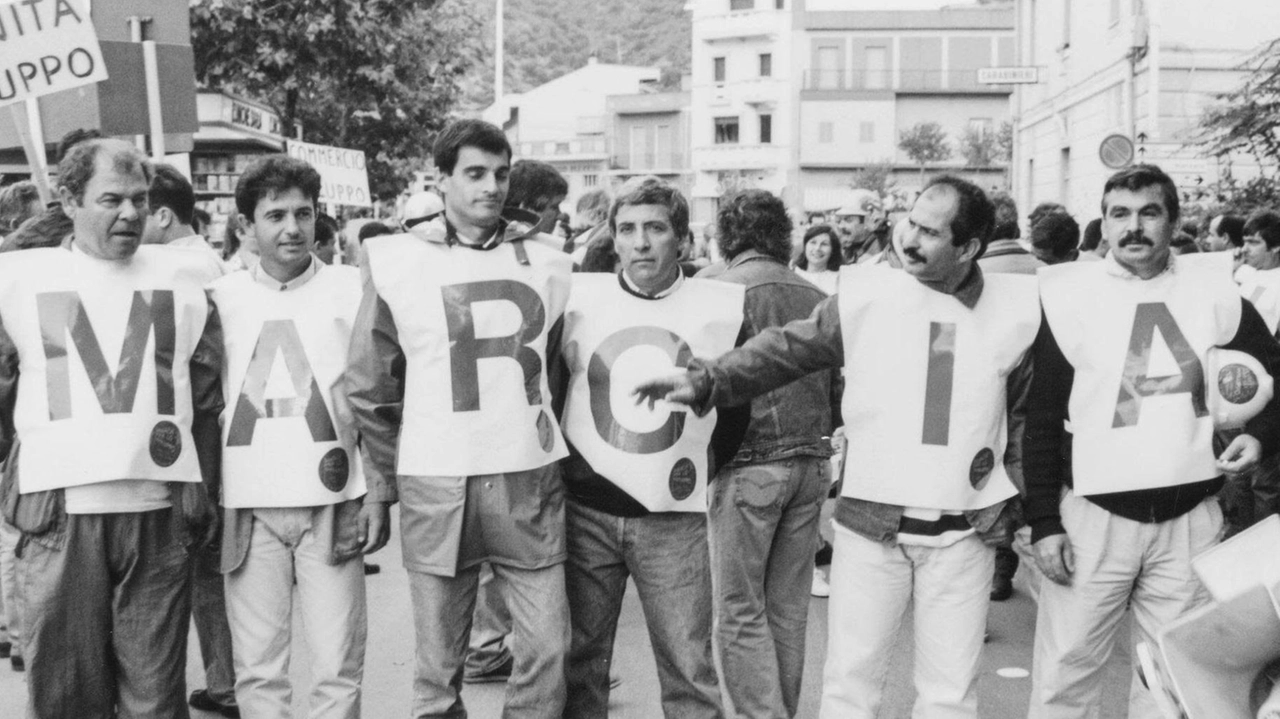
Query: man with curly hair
{"points": [[765, 502]]}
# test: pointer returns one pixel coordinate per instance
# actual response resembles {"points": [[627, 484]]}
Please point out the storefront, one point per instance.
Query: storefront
{"points": [[233, 133]]}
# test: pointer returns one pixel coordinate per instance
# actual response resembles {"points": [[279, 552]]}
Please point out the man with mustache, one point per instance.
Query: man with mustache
{"points": [[1117, 517], [447, 380], [934, 352], [110, 355]]}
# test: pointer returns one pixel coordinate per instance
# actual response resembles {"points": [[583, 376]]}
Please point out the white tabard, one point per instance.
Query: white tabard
{"points": [[925, 400], [287, 433], [612, 342], [473, 326], [104, 387], [1262, 289], [1137, 410]]}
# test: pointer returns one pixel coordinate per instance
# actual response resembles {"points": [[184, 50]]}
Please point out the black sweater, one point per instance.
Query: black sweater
{"points": [[1046, 449]]}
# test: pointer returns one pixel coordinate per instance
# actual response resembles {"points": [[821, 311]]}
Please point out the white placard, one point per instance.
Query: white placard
{"points": [[47, 47], [344, 180]]}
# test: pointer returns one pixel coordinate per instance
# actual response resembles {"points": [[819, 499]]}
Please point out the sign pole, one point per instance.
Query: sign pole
{"points": [[33, 145], [152, 73]]}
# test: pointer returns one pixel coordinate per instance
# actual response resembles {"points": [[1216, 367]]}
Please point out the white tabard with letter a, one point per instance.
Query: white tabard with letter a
{"points": [[104, 386], [925, 401], [287, 434], [612, 342], [1138, 414], [473, 326]]}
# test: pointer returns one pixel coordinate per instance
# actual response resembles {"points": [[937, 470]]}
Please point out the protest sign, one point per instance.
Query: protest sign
{"points": [[46, 46], [342, 172]]}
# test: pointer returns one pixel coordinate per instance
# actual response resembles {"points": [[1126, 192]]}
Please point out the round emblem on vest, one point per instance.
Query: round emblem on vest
{"points": [[546, 433], [981, 467], [684, 479], [1237, 384], [335, 469], [166, 443]]}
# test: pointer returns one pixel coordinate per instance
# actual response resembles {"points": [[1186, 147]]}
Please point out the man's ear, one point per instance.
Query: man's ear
{"points": [[971, 250], [164, 217], [69, 203]]}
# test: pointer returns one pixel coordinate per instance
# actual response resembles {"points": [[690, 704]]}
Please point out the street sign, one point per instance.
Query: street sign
{"points": [[342, 172], [1116, 151], [1008, 75], [48, 47]]}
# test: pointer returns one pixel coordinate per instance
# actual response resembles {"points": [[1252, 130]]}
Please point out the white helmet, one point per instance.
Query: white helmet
{"points": [[1238, 387]]}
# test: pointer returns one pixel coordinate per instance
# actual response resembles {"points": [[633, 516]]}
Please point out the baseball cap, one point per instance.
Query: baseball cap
{"points": [[421, 205]]}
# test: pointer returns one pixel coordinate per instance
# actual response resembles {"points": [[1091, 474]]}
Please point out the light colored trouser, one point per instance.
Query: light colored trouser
{"points": [[285, 549], [871, 586], [10, 602], [490, 628], [1119, 562]]}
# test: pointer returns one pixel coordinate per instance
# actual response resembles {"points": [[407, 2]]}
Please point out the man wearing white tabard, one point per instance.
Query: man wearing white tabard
{"points": [[1259, 275], [298, 514], [109, 363], [636, 478], [447, 381], [934, 357], [1117, 518]]}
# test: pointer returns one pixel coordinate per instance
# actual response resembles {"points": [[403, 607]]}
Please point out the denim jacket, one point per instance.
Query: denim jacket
{"points": [[794, 420]]}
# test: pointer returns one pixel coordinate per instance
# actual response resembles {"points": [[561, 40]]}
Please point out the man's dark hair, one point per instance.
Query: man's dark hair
{"points": [[1184, 243], [652, 191], [754, 220], [77, 168], [534, 185], [1057, 234], [326, 230], [47, 229], [1265, 224], [373, 229], [200, 220], [170, 189], [73, 138], [601, 254], [975, 214], [467, 133], [834, 261], [1092, 236], [1139, 177], [230, 237], [1233, 227], [593, 207], [273, 175], [1043, 210], [15, 204], [1006, 227]]}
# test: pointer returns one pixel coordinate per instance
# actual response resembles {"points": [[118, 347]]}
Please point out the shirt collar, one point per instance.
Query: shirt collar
{"points": [[1115, 269], [749, 256], [635, 289], [267, 280]]}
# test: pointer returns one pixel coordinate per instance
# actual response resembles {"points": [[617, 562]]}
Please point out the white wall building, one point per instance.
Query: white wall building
{"points": [[1144, 69]]}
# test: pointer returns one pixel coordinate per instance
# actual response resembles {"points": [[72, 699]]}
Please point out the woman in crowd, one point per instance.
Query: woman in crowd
{"points": [[819, 261]]}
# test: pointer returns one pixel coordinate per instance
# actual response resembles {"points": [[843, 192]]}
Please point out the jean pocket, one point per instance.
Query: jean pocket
{"points": [[757, 488]]}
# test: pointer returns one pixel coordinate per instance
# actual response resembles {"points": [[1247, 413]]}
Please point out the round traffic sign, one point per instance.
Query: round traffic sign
{"points": [[1116, 151]]}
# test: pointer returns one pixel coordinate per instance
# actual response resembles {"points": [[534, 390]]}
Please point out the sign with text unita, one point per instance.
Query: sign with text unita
{"points": [[343, 179], [46, 46]]}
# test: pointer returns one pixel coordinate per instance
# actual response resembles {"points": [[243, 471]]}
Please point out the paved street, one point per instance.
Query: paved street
{"points": [[388, 672]]}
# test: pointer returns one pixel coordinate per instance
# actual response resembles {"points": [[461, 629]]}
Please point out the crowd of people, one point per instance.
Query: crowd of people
{"points": [[560, 407]]}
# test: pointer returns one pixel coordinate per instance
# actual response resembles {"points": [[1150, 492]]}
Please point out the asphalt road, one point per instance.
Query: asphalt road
{"points": [[389, 664]]}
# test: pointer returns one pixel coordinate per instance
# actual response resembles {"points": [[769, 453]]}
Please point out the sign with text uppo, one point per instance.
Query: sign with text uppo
{"points": [[46, 46], [342, 172]]}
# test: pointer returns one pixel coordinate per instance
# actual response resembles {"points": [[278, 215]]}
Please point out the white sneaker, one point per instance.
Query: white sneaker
{"points": [[820, 586]]}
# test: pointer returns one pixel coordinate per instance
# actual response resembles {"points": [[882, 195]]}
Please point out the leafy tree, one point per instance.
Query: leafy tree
{"points": [[877, 177], [979, 147], [1004, 143], [380, 76], [925, 142]]}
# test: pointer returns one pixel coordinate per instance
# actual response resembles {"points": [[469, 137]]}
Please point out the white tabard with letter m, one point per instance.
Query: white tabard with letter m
{"points": [[925, 401], [104, 386], [473, 326], [1138, 414], [287, 434], [612, 342]]}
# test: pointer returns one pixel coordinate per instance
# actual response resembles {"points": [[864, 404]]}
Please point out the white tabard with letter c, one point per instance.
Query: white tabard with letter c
{"points": [[925, 399], [1138, 414], [612, 342]]}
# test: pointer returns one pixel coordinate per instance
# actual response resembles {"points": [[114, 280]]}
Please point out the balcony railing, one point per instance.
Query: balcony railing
{"points": [[650, 161], [907, 80], [565, 148]]}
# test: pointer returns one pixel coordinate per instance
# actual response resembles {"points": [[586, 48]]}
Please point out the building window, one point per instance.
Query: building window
{"points": [[877, 68], [719, 69], [726, 130], [867, 132], [766, 129], [780, 4], [742, 4], [766, 64], [826, 132], [590, 180], [983, 126]]}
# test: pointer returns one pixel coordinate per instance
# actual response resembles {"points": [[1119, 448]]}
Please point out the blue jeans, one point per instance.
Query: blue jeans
{"points": [[209, 613], [764, 531], [666, 555], [106, 617]]}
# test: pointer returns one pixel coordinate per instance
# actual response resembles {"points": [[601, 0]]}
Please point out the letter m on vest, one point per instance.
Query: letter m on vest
{"points": [[63, 315], [1136, 384]]}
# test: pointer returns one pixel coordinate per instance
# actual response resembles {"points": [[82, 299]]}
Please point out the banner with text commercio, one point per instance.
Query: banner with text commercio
{"points": [[343, 179], [46, 46]]}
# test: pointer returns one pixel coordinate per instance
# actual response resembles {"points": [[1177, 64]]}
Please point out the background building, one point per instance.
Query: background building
{"points": [[649, 135], [1144, 69]]}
